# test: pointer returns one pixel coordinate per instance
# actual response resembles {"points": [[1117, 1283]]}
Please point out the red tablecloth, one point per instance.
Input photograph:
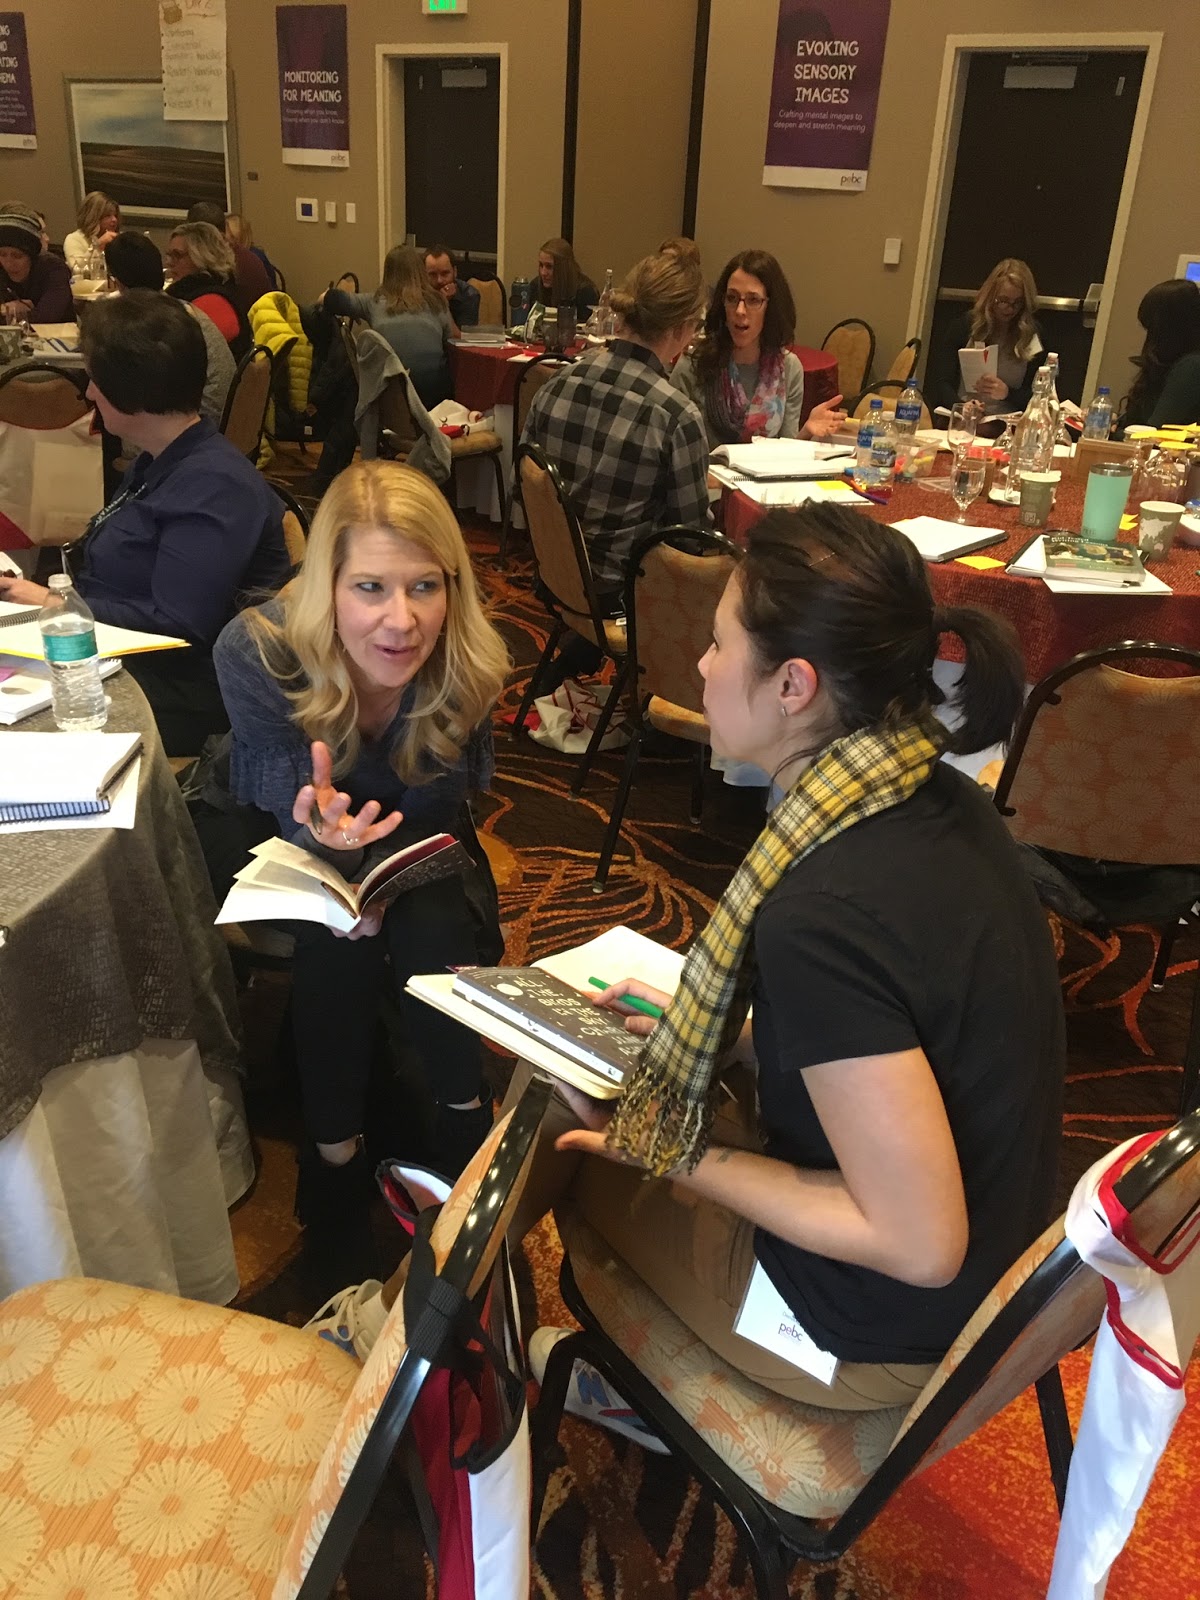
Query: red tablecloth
{"points": [[820, 376], [486, 376], [1052, 627]]}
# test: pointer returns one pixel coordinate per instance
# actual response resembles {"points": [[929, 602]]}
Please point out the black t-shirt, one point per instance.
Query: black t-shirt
{"points": [[917, 927]]}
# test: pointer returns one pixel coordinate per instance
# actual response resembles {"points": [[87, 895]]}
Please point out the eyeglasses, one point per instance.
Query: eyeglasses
{"points": [[1007, 300], [177, 255], [752, 302]]}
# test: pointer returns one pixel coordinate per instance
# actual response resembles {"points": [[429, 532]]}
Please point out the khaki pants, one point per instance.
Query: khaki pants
{"points": [[695, 1255]]}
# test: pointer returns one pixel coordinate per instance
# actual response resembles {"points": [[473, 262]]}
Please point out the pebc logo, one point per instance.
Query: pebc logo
{"points": [[852, 180]]}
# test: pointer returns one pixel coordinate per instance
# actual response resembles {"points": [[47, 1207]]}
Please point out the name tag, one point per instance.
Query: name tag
{"points": [[765, 1319]]}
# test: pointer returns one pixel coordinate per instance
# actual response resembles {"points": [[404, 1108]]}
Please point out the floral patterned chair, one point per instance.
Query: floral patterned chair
{"points": [[673, 585], [1104, 765], [801, 1481], [153, 1448]]}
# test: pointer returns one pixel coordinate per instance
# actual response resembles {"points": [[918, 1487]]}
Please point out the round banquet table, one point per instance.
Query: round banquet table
{"points": [[1052, 627], [820, 376], [485, 376], [122, 1135]]}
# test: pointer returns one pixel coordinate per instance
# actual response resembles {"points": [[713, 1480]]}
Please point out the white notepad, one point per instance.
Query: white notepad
{"points": [[49, 775], [938, 540], [25, 639]]}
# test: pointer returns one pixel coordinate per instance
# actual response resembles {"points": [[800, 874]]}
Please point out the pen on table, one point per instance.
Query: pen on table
{"points": [[646, 1007]]}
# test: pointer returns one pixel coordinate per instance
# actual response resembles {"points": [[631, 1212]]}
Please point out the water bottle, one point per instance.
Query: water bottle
{"points": [[520, 298], [883, 449], [1099, 415], [1033, 442], [908, 412], [606, 317], [864, 474], [69, 642]]}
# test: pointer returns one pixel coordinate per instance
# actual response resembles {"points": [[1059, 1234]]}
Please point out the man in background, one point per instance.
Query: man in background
{"points": [[251, 280], [462, 300]]}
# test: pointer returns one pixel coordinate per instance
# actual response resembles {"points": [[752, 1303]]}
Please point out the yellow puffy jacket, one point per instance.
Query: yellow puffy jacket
{"points": [[275, 322]]}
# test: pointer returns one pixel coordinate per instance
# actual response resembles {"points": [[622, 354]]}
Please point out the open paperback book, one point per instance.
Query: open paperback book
{"points": [[506, 1021], [284, 883], [48, 776], [781, 459]]}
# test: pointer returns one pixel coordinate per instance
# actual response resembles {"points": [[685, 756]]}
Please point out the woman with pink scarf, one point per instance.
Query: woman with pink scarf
{"points": [[744, 380]]}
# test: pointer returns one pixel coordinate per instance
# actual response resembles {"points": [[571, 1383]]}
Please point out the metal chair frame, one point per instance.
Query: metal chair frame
{"points": [[718, 545], [777, 1539], [1045, 693], [579, 547]]}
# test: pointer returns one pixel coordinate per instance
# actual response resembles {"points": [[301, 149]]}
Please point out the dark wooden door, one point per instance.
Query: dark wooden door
{"points": [[452, 152], [1038, 175]]}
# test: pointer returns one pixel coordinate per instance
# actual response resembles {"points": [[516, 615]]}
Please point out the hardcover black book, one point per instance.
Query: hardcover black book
{"points": [[555, 1013]]}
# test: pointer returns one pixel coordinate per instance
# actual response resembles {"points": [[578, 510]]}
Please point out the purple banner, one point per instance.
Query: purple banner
{"points": [[314, 90], [824, 90], [17, 128]]}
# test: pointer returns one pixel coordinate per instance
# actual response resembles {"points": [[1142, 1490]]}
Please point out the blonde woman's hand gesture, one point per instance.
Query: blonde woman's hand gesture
{"points": [[325, 811]]}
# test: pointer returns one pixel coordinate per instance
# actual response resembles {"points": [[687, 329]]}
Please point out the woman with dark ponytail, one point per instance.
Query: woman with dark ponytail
{"points": [[897, 1148]]}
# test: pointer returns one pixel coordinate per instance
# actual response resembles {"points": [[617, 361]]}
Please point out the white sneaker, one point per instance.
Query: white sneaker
{"points": [[590, 1396], [353, 1319]]}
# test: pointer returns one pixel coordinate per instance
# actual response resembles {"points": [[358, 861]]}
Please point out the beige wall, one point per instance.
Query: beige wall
{"points": [[634, 99], [113, 38], [831, 244]]}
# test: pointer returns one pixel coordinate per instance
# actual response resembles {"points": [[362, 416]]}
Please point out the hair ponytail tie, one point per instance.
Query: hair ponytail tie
{"points": [[943, 620]]}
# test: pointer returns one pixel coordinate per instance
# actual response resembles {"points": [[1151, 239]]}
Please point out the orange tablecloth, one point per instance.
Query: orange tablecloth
{"points": [[1052, 627]]}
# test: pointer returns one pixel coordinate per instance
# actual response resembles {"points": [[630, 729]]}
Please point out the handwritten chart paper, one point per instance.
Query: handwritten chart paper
{"points": [[193, 60]]}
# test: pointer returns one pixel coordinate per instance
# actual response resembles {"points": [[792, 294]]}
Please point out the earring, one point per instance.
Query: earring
{"points": [[783, 711]]}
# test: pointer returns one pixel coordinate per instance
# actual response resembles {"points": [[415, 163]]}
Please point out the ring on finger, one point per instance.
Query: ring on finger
{"points": [[346, 839]]}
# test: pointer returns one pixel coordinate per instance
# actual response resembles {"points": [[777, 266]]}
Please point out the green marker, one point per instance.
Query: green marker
{"points": [[646, 1007]]}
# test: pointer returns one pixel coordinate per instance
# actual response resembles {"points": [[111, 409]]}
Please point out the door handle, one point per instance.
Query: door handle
{"points": [[1090, 304]]}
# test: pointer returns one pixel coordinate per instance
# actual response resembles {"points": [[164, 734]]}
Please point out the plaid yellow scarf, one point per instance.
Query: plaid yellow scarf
{"points": [[665, 1113]]}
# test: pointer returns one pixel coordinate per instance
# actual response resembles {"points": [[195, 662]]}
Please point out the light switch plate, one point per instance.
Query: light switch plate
{"points": [[351, 211], [331, 211], [307, 211], [891, 252]]}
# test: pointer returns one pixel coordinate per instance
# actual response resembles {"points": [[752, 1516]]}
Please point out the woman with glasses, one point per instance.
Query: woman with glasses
{"points": [[200, 265], [1001, 315], [744, 380]]}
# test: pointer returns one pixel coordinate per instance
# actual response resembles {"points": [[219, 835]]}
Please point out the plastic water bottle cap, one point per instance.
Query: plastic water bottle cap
{"points": [[59, 580], [1103, 389], [876, 405]]}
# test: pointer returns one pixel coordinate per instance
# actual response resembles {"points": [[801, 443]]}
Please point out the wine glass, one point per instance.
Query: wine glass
{"points": [[960, 431], [967, 483]]}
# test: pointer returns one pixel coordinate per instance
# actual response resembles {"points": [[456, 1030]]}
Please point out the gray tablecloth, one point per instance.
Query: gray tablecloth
{"points": [[107, 934]]}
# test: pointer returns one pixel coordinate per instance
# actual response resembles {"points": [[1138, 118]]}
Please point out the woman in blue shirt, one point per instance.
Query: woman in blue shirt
{"points": [[411, 316], [193, 530], [360, 702]]}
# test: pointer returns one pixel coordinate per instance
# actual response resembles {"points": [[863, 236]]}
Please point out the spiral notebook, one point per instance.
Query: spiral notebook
{"points": [[47, 776]]}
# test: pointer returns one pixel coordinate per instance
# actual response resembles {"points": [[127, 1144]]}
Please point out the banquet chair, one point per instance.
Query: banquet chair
{"points": [[399, 432], [493, 302], [905, 363], [802, 1482], [245, 411], [673, 585], [530, 379], [853, 343], [152, 1444], [39, 395], [1104, 766], [565, 574], [295, 523], [887, 390]]}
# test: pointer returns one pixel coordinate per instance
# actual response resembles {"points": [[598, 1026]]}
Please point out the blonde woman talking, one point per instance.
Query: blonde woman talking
{"points": [[360, 702]]}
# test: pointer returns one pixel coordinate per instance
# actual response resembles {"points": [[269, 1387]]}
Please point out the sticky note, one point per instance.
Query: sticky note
{"points": [[980, 563], [831, 483], [1127, 523]]}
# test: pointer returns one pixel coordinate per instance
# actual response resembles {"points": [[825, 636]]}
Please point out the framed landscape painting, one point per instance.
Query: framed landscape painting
{"points": [[153, 169]]}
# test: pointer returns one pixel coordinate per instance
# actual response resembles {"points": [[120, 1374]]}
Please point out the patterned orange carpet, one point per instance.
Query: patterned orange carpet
{"points": [[619, 1522]]}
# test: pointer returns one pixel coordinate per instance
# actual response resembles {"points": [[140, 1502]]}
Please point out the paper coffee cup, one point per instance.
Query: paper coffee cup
{"points": [[1158, 523]]}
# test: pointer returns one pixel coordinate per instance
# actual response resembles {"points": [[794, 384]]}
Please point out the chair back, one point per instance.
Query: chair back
{"points": [[1091, 453], [671, 598], [905, 363], [395, 415], [853, 343], [466, 1241], [246, 403], [1047, 1305], [41, 396], [294, 538], [556, 536], [493, 310], [529, 380], [1105, 763], [888, 390]]}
